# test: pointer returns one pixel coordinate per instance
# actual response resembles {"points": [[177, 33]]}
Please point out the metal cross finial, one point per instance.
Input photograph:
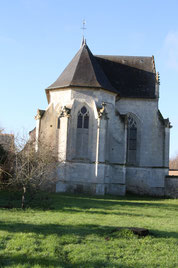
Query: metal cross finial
{"points": [[83, 26]]}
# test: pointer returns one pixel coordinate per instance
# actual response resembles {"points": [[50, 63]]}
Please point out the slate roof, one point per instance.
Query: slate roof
{"points": [[133, 77], [83, 71], [128, 76]]}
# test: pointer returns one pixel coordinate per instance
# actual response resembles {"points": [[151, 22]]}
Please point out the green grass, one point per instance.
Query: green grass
{"points": [[76, 231]]}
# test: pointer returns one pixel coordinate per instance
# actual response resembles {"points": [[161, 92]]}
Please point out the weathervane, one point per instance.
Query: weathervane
{"points": [[83, 26]]}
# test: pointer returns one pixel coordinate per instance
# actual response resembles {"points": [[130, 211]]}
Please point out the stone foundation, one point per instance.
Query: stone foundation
{"points": [[146, 181], [93, 178], [171, 186], [102, 178]]}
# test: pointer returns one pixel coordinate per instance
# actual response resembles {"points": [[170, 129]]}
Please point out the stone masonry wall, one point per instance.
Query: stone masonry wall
{"points": [[151, 132], [171, 186]]}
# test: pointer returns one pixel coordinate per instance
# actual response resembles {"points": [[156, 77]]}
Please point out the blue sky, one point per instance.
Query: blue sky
{"points": [[38, 38]]}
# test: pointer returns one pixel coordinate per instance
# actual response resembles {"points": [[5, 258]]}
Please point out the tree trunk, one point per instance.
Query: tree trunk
{"points": [[23, 197]]}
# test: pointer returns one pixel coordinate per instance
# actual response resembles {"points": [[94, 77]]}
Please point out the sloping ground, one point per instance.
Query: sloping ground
{"points": [[82, 231]]}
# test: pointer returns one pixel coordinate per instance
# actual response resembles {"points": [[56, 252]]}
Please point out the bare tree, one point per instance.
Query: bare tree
{"points": [[6, 145], [31, 171], [173, 163], [1, 130], [3, 158]]}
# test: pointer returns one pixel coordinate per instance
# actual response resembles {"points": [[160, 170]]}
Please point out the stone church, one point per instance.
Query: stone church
{"points": [[104, 123]]}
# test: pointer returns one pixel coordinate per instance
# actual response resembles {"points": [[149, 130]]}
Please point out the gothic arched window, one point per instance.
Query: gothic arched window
{"points": [[83, 118], [131, 141], [82, 133]]}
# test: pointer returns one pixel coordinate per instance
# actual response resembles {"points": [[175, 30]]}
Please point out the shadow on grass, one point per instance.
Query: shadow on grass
{"points": [[77, 204], [80, 230], [108, 202], [110, 212], [101, 212], [49, 229], [15, 260], [61, 257], [105, 205]]}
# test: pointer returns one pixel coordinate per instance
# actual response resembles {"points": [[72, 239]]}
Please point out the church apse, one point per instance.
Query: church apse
{"points": [[103, 121]]}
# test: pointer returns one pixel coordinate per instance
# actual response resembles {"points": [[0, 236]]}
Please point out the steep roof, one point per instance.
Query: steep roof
{"points": [[128, 76], [83, 71], [133, 77]]}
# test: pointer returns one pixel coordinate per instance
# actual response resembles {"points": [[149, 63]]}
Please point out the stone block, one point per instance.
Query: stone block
{"points": [[115, 189]]}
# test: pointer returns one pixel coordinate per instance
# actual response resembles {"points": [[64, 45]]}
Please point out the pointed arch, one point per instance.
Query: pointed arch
{"points": [[83, 118], [82, 133], [132, 140]]}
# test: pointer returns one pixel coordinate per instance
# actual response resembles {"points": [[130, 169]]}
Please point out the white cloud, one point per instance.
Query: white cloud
{"points": [[171, 50]]}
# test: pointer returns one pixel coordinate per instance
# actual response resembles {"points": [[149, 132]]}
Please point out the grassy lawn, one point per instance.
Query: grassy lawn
{"points": [[76, 231]]}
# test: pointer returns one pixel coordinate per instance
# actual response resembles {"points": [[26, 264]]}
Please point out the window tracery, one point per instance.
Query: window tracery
{"points": [[82, 133], [131, 140], [83, 118]]}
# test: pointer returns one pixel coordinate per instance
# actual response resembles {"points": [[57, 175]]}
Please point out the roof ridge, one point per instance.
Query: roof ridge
{"points": [[123, 56], [100, 69], [94, 68], [79, 52], [89, 55]]}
